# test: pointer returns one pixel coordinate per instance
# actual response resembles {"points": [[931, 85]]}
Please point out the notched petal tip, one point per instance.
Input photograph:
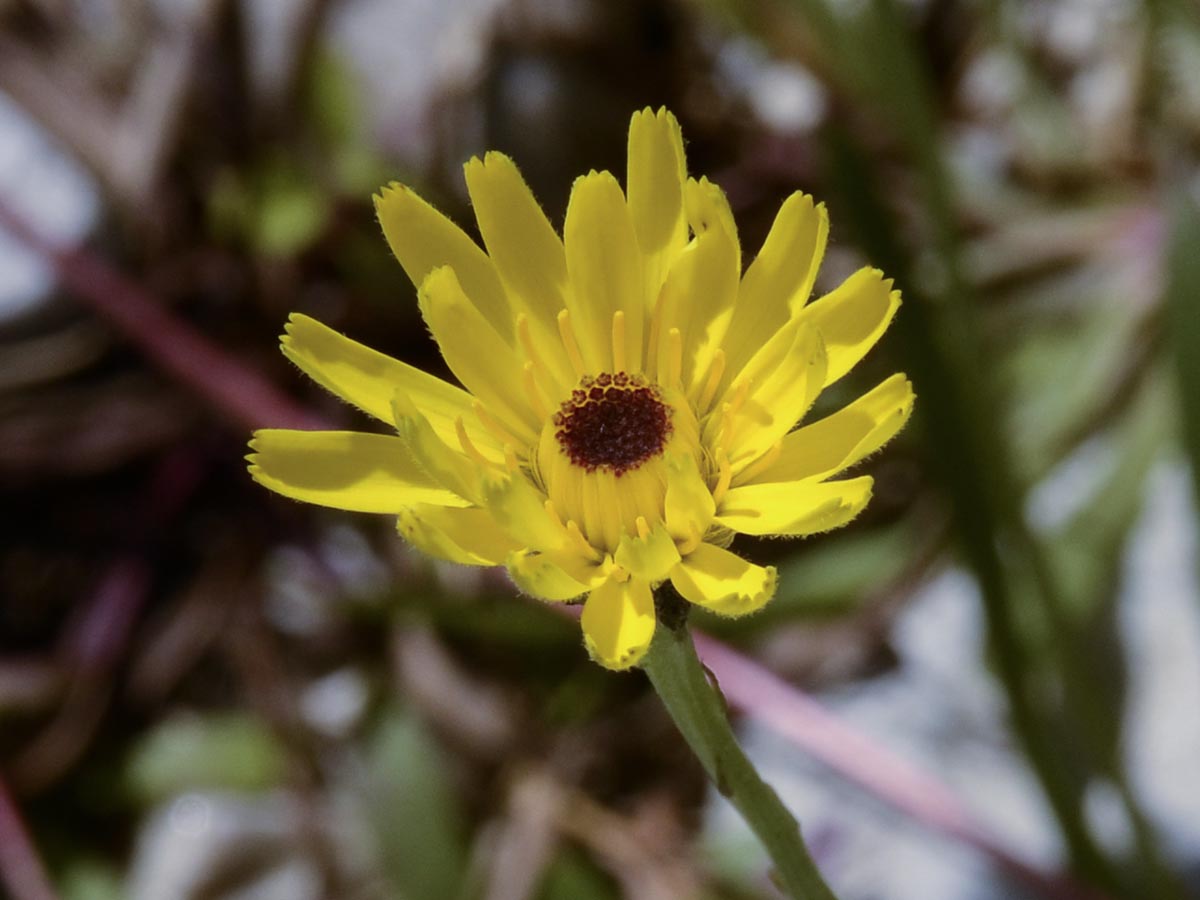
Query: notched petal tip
{"points": [[723, 582], [622, 663], [386, 193], [618, 623], [537, 575], [649, 558], [474, 167], [439, 278], [494, 158]]}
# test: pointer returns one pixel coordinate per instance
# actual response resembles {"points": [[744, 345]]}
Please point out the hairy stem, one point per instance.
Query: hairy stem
{"points": [[698, 710]]}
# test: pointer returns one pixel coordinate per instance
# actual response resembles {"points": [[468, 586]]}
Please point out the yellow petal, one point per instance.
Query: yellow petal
{"points": [[707, 207], [697, 299], [838, 441], [345, 470], [446, 466], [520, 509], [476, 354], [779, 281], [656, 174], [689, 505], [781, 390], [648, 558], [368, 380], [793, 508], [465, 536], [526, 250], [537, 575], [423, 240], [852, 317], [618, 623], [723, 582], [605, 266]]}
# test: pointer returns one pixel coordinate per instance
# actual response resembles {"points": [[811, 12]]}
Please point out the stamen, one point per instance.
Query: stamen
{"points": [[741, 390], [652, 340], [730, 409], [693, 541], [501, 433], [536, 400], [510, 458], [567, 332], [674, 360], [618, 340], [468, 446], [716, 371], [589, 552], [552, 512], [643, 527], [763, 463], [525, 337], [724, 475]]}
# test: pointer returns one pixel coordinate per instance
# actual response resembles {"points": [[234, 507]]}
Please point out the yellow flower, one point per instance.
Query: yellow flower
{"points": [[630, 395]]}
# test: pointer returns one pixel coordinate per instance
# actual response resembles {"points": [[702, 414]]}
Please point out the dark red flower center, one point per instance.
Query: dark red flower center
{"points": [[615, 422]]}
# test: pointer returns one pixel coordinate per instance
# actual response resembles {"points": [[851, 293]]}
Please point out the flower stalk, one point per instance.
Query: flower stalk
{"points": [[699, 712]]}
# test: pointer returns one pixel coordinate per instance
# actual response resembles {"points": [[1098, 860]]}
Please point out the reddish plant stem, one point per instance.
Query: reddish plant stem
{"points": [[21, 869], [228, 384]]}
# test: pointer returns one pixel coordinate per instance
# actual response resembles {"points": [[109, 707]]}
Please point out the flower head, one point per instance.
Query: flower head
{"points": [[629, 396]]}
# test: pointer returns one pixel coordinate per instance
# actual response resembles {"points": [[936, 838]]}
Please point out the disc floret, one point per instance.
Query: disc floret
{"points": [[614, 421]]}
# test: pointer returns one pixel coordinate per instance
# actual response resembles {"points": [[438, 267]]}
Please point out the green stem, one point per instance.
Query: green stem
{"points": [[698, 710]]}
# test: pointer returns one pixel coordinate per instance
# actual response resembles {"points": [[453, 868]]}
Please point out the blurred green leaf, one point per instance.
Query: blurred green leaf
{"points": [[290, 210], [510, 621], [1087, 553], [276, 208], [89, 879], [231, 751], [332, 99], [1081, 357], [958, 415], [828, 577], [571, 876], [1089, 548], [417, 820], [337, 113], [1182, 299]]}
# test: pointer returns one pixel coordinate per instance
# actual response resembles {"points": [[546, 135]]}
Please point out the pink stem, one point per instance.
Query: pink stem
{"points": [[228, 384], [766, 697], [21, 869]]}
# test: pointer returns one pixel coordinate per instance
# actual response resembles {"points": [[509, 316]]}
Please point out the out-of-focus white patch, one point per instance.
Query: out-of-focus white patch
{"points": [[993, 81], [334, 704], [1070, 485], [182, 847], [350, 557], [1105, 813], [297, 593], [1160, 621], [190, 815], [530, 88], [784, 95], [788, 98], [47, 189], [401, 52]]}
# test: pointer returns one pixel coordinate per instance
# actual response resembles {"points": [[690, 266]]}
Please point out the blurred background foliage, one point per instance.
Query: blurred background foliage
{"points": [[209, 692]]}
